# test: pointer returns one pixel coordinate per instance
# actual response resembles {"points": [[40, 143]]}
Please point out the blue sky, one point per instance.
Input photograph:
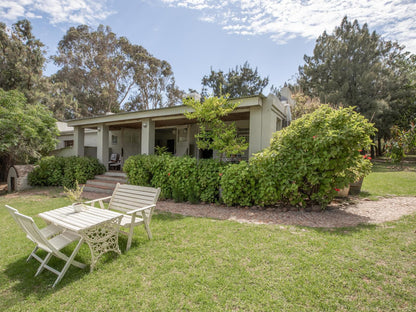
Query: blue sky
{"points": [[195, 35]]}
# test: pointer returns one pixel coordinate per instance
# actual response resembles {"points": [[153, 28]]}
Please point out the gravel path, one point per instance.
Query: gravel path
{"points": [[338, 214]]}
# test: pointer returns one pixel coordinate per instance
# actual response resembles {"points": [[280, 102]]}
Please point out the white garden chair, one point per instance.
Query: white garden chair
{"points": [[136, 202], [51, 246], [48, 231]]}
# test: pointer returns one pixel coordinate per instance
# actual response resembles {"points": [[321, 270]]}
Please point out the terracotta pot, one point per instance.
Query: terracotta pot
{"points": [[355, 188], [344, 192]]}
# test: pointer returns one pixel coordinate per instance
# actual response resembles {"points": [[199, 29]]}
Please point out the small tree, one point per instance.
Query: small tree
{"points": [[214, 132], [27, 131]]}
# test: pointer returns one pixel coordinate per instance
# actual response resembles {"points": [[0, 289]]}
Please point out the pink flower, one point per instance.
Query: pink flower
{"points": [[369, 158], [220, 174], [314, 137], [364, 156], [169, 174], [337, 189]]}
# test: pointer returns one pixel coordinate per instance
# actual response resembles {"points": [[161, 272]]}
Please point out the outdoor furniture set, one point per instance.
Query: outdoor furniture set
{"points": [[129, 206]]}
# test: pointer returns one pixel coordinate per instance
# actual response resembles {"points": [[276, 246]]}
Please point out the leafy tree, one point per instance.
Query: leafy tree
{"points": [[21, 61], [27, 131], [354, 67], [106, 73], [304, 105], [214, 133], [238, 82]]}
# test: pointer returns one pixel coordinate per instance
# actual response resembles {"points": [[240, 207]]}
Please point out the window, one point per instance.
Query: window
{"points": [[68, 143], [114, 139]]}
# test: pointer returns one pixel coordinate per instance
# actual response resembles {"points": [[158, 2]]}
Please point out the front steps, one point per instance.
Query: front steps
{"points": [[103, 185]]}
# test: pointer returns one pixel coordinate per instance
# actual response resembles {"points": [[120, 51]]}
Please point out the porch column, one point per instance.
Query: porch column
{"points": [[79, 141], [102, 144], [148, 137], [255, 131]]}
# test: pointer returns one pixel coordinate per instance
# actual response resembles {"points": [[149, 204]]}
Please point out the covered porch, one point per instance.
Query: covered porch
{"points": [[128, 134]]}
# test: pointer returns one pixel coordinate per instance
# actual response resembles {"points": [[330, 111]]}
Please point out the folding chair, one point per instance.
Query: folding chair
{"points": [[51, 246], [48, 231]]}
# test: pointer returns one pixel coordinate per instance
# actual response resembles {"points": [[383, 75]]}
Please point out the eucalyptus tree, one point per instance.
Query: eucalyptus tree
{"points": [[22, 58], [107, 73]]}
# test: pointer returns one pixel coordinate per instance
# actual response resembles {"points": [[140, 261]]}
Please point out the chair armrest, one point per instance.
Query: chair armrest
{"points": [[140, 209]]}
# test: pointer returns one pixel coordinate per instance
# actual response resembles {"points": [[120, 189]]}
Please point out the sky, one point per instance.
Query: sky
{"points": [[197, 35]]}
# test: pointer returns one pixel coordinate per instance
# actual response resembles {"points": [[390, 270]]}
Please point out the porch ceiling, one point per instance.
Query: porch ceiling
{"points": [[171, 122]]}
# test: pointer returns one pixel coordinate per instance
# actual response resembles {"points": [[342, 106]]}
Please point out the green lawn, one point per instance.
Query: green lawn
{"points": [[196, 264], [389, 180]]}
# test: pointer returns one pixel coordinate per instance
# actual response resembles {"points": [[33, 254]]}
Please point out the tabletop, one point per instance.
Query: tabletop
{"points": [[90, 217]]}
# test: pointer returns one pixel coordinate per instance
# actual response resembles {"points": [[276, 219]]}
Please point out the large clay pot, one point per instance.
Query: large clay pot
{"points": [[355, 188]]}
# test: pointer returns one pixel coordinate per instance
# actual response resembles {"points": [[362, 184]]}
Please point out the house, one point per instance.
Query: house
{"points": [[132, 133]]}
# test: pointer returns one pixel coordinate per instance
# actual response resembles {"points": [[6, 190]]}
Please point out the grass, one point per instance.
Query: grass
{"points": [[197, 264], [390, 180]]}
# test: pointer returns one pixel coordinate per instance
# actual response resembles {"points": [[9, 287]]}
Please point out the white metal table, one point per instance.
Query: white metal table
{"points": [[98, 228]]}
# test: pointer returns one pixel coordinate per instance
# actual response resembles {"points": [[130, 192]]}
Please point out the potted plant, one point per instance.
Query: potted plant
{"points": [[74, 195], [359, 171]]}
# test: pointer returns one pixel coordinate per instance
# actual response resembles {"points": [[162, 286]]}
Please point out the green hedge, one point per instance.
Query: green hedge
{"points": [[180, 178], [64, 171]]}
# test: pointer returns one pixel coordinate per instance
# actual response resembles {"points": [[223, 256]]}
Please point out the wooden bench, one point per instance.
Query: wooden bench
{"points": [[136, 203]]}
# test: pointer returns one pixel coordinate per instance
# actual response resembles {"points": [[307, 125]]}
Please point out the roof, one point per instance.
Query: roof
{"points": [[167, 112]]}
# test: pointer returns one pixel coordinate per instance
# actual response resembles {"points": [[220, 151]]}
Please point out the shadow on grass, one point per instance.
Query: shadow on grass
{"points": [[22, 274], [344, 231]]}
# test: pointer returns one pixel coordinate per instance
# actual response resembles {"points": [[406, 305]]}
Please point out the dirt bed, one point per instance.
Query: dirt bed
{"points": [[339, 214]]}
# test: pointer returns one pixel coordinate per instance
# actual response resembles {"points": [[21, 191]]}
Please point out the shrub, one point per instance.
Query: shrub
{"points": [[317, 155], [238, 185], [209, 178], [180, 178], [65, 171], [48, 172], [139, 169]]}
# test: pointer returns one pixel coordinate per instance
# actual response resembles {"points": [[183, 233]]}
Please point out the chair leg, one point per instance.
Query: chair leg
{"points": [[32, 253], [44, 263], [147, 227], [130, 238], [68, 262]]}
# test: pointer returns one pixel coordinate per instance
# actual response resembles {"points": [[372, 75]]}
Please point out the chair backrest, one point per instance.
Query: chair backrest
{"points": [[13, 212], [128, 197], [114, 157], [32, 230]]}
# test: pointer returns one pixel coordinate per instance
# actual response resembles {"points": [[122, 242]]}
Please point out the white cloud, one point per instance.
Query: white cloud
{"points": [[283, 20], [57, 11]]}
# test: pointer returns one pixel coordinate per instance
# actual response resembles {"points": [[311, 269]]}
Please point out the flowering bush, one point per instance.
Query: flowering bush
{"points": [[402, 142], [307, 162], [318, 153]]}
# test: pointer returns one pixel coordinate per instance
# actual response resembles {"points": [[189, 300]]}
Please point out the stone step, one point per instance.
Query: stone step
{"points": [[115, 174], [104, 177], [98, 189], [102, 182]]}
